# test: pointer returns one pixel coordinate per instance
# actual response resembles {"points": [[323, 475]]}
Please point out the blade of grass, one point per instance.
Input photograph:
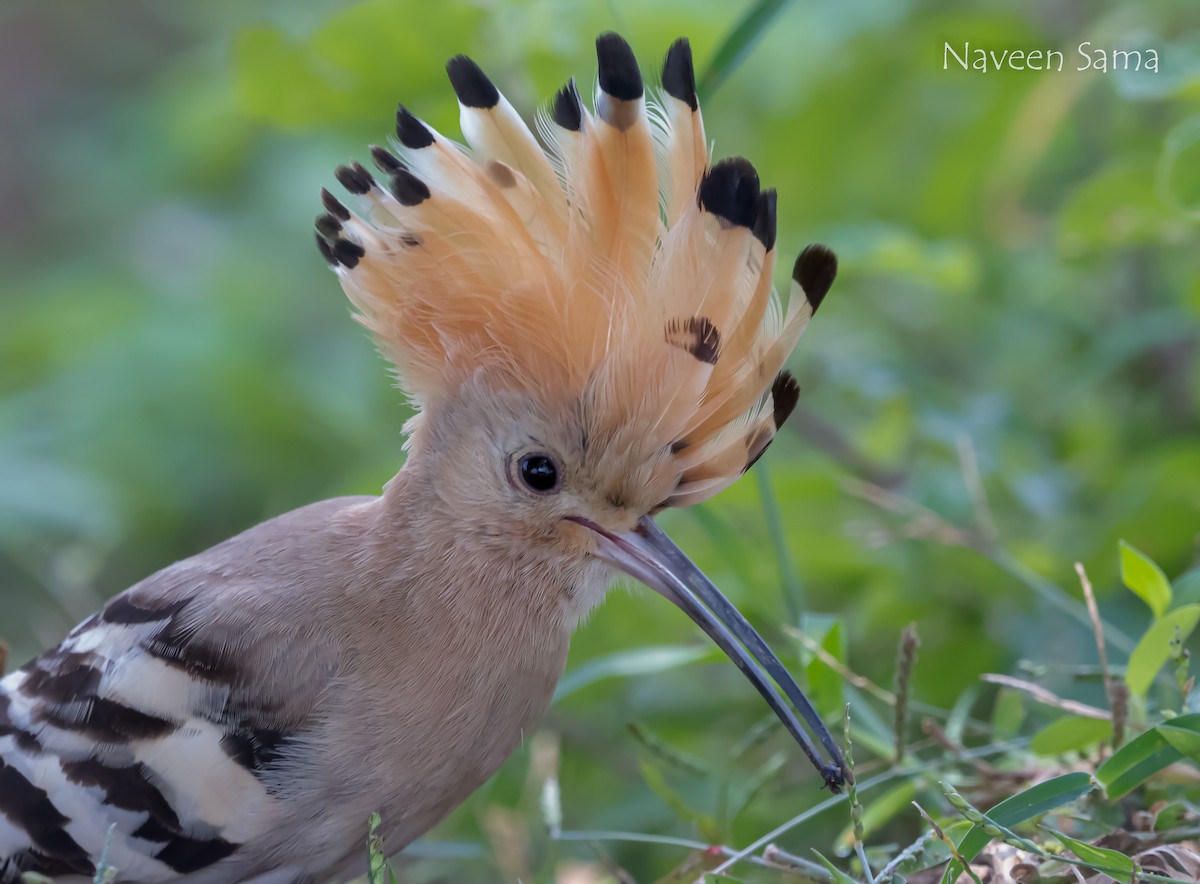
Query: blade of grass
{"points": [[635, 662], [909, 770], [736, 46], [793, 592]]}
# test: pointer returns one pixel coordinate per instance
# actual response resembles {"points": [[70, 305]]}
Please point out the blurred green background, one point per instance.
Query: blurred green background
{"points": [[1003, 381]]}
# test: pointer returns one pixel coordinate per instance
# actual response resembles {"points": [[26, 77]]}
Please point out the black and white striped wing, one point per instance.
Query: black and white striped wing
{"points": [[132, 733]]}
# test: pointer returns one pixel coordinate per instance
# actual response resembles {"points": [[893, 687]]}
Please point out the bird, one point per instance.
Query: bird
{"points": [[585, 324]]}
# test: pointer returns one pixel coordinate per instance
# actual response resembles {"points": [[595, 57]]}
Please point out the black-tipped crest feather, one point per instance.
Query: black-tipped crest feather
{"points": [[354, 178], [387, 162], [408, 188], [325, 250], [815, 271], [765, 219], [471, 84], [334, 206], [619, 73], [328, 226], [785, 393], [567, 110], [729, 190], [348, 253], [678, 74], [412, 133]]}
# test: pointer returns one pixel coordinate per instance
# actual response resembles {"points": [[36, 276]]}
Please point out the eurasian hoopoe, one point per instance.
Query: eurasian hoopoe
{"points": [[589, 336]]}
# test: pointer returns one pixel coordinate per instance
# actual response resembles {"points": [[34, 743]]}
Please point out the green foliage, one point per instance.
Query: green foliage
{"points": [[1150, 752], [1070, 734], [379, 870], [1033, 802]]}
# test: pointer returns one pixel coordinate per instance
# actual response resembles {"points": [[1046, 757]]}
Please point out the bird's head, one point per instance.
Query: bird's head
{"points": [[589, 330]]}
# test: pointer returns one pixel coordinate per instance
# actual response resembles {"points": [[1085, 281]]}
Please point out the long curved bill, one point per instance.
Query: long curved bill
{"points": [[649, 555]]}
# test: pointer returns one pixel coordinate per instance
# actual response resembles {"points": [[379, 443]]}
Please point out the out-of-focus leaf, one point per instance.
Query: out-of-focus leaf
{"points": [[745, 790], [737, 44], [1144, 756], [1179, 167], [1033, 802], [1154, 648], [1007, 714], [823, 681], [657, 782], [634, 662], [1069, 734], [1186, 588], [1145, 579], [1119, 206], [666, 753]]}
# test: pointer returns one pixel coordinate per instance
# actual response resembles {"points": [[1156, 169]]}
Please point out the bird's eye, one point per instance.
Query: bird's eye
{"points": [[538, 472]]}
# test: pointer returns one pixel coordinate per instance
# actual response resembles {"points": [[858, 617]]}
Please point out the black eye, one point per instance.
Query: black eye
{"points": [[538, 472]]}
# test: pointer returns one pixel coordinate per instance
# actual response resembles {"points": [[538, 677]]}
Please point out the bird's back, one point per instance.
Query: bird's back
{"points": [[155, 731]]}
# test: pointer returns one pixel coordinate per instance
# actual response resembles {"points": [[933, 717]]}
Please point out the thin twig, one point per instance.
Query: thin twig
{"points": [[906, 659], [1046, 697], [945, 839], [778, 858], [925, 523], [973, 479], [914, 849], [989, 772], [813, 646], [1097, 627], [3, 656], [665, 840]]}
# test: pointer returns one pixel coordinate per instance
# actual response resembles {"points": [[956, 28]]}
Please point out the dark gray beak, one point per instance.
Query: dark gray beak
{"points": [[648, 555]]}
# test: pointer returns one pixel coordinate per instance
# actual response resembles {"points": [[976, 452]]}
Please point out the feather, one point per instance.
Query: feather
{"points": [[560, 272], [501, 140], [682, 130]]}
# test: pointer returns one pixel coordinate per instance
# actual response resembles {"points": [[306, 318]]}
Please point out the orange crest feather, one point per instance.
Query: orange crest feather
{"points": [[617, 266]]}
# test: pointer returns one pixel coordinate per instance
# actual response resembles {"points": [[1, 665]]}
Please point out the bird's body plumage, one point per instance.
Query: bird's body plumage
{"points": [[590, 335], [233, 713]]}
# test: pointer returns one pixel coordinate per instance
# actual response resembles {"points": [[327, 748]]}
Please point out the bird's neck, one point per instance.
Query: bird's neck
{"points": [[462, 566]]}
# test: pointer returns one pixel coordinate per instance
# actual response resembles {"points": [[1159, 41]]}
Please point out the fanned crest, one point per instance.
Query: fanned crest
{"points": [[615, 269]]}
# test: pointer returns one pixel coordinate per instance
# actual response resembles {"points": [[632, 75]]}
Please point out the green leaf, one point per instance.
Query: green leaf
{"points": [[626, 664], [1146, 755], [1007, 714], [839, 876], [737, 45], [1145, 579], [1186, 587], [1117, 206], [663, 751], [1185, 741], [1111, 862], [1154, 649], [1033, 802], [746, 790], [824, 684], [1070, 733], [654, 778]]}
